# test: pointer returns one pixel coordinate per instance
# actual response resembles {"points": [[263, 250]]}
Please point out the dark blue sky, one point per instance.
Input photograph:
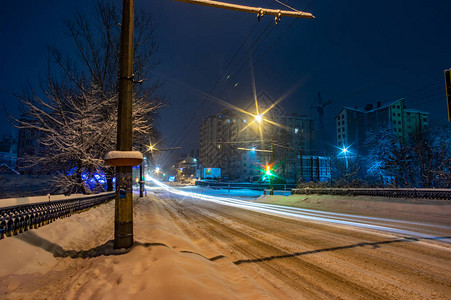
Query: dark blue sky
{"points": [[354, 53]]}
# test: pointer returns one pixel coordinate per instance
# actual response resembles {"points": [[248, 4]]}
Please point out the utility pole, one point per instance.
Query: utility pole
{"points": [[448, 91], [123, 217], [301, 178], [141, 180], [271, 187]]}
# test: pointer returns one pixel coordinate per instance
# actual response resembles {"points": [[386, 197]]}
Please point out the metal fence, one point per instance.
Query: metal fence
{"points": [[250, 186], [444, 194], [20, 218]]}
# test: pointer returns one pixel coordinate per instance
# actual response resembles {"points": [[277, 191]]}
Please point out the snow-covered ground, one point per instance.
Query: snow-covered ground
{"points": [[36, 199], [13, 185], [73, 258]]}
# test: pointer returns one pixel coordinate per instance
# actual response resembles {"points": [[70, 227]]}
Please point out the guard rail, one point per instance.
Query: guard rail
{"points": [[250, 186], [19, 218], [444, 194]]}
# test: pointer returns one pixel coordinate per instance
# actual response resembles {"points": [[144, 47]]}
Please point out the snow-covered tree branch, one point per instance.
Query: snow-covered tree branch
{"points": [[75, 112]]}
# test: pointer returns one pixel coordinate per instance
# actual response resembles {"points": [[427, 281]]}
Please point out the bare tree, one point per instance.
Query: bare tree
{"points": [[432, 154], [75, 111], [422, 161]]}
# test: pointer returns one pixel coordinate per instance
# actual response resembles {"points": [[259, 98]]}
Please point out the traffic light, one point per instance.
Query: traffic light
{"points": [[448, 91], [268, 170]]}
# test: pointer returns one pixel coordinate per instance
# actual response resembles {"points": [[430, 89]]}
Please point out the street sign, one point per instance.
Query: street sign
{"points": [[212, 172]]}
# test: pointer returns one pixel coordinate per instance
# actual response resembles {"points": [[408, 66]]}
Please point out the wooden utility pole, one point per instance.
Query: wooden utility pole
{"points": [[448, 91], [123, 217]]}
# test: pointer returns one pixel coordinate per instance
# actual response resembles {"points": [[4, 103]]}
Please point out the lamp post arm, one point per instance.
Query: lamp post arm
{"points": [[250, 9]]}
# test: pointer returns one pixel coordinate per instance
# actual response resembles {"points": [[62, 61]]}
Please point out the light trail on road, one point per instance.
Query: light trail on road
{"points": [[399, 226]]}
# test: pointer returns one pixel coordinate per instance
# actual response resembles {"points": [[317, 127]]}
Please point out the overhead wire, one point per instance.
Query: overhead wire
{"points": [[180, 136], [252, 49], [188, 124], [282, 34], [214, 86]]}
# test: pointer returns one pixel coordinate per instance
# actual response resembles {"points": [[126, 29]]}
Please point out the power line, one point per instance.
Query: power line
{"points": [[251, 50], [282, 34], [188, 124]]}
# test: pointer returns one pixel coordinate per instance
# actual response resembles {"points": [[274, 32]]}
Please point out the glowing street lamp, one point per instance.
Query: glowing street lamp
{"points": [[345, 151], [259, 118]]}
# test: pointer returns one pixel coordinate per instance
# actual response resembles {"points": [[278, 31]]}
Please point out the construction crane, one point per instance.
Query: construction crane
{"points": [[320, 108]]}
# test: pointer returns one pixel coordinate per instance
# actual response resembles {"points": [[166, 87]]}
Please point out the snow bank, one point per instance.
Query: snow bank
{"points": [[73, 258], [421, 210], [36, 199]]}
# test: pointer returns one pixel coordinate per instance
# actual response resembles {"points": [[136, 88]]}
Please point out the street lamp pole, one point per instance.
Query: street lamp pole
{"points": [[141, 179], [123, 217], [271, 187], [301, 167]]}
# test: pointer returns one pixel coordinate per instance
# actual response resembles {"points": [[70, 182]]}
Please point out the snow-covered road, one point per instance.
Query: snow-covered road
{"points": [[304, 254], [197, 246], [240, 198]]}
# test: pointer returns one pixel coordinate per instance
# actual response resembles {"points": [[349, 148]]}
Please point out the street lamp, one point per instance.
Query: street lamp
{"points": [[124, 158], [259, 118], [345, 151]]}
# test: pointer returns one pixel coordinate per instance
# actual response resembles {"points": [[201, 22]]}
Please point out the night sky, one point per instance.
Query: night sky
{"points": [[354, 53]]}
